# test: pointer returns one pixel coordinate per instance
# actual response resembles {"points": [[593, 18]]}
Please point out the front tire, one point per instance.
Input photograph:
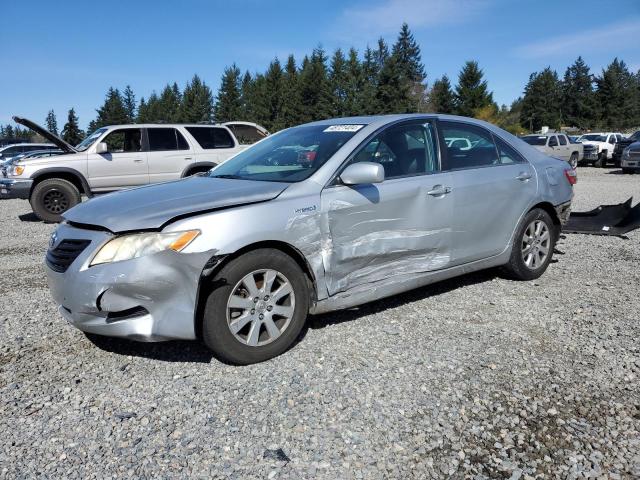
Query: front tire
{"points": [[602, 160], [532, 247], [259, 309], [573, 161], [52, 197]]}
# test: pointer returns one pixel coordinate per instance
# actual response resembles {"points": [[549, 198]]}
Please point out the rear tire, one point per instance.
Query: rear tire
{"points": [[52, 197], [602, 160], [225, 309], [527, 261]]}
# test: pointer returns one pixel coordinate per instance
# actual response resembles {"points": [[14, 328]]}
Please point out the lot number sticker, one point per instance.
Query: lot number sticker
{"points": [[343, 128]]}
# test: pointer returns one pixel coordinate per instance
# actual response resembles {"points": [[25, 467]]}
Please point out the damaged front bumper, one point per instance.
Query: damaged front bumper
{"points": [[149, 298]]}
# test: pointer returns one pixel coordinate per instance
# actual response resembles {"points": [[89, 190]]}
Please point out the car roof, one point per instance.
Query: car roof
{"points": [[28, 144], [163, 125]]}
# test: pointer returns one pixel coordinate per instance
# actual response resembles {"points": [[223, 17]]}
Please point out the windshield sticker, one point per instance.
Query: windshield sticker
{"points": [[343, 128]]}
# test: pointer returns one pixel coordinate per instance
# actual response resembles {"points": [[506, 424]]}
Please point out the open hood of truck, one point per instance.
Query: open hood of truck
{"points": [[153, 206], [57, 141]]}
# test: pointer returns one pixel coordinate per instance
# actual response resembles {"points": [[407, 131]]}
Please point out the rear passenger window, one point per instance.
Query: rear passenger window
{"points": [[563, 139], [507, 153], [468, 146], [246, 134], [211, 137], [163, 139]]}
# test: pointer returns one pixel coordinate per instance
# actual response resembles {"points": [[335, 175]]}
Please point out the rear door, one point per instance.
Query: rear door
{"points": [[217, 143], [125, 163], [395, 228], [169, 154], [564, 147], [492, 186]]}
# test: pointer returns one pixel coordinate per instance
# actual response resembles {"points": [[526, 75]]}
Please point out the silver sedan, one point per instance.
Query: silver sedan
{"points": [[315, 218]]}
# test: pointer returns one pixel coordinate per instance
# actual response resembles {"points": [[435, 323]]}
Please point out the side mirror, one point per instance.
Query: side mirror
{"points": [[362, 173], [102, 147]]}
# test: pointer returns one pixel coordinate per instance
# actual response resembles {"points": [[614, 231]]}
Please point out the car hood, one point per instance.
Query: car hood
{"points": [[57, 141], [540, 148], [152, 206]]}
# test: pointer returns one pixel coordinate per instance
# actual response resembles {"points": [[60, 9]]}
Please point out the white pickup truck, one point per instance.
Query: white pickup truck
{"points": [[118, 157], [599, 147], [557, 145]]}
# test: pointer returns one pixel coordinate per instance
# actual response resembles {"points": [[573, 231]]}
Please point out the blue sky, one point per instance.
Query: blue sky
{"points": [[67, 54]]}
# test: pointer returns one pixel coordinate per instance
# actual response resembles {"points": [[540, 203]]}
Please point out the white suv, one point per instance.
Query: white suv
{"points": [[598, 147], [117, 157]]}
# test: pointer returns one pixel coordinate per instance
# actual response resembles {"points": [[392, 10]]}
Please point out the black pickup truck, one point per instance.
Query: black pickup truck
{"points": [[622, 144]]}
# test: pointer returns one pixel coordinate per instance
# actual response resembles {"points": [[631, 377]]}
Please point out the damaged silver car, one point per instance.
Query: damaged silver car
{"points": [[315, 218]]}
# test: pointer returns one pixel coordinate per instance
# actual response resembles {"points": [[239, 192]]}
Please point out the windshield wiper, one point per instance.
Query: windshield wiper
{"points": [[234, 177]]}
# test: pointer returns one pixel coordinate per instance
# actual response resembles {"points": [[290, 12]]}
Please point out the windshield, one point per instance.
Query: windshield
{"points": [[534, 140], [289, 156], [593, 137], [87, 142]]}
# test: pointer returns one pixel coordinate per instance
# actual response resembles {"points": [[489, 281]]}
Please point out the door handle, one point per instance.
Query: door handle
{"points": [[187, 158], [439, 190], [137, 160], [523, 176]]}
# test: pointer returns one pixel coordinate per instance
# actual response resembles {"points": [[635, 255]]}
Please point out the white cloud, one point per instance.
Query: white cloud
{"points": [[381, 18], [614, 36]]}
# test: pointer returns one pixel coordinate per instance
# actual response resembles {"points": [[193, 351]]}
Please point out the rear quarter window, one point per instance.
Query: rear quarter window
{"points": [[211, 137]]}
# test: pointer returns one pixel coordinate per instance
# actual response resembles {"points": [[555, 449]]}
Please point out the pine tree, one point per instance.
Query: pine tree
{"points": [[129, 102], [52, 123], [381, 54], [246, 97], [151, 110], [9, 132], [197, 102], [578, 99], [71, 132], [408, 56], [541, 101], [441, 98], [616, 92], [112, 111], [471, 91], [370, 75], [229, 102], [393, 94], [338, 83], [170, 100], [354, 84], [315, 90], [291, 94]]}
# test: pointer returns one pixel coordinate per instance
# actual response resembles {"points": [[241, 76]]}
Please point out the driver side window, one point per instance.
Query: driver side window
{"points": [[403, 150], [124, 140]]}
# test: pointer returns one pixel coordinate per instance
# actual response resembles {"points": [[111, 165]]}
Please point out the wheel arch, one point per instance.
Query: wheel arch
{"points": [[550, 209], [207, 284], [69, 174], [197, 167]]}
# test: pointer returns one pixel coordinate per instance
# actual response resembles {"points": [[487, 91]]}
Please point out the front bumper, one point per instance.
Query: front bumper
{"points": [[630, 163], [150, 298], [15, 188], [590, 156]]}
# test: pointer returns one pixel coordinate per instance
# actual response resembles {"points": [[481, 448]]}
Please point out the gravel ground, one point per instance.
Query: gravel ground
{"points": [[473, 377]]}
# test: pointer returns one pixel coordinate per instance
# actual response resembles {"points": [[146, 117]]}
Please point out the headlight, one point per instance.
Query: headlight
{"points": [[136, 245], [16, 170], [625, 152]]}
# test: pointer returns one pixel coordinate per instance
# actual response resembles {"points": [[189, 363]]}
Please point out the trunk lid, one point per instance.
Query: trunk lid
{"points": [[61, 144]]}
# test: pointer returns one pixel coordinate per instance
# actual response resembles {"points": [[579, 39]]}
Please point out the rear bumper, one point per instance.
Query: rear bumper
{"points": [[563, 211], [15, 188]]}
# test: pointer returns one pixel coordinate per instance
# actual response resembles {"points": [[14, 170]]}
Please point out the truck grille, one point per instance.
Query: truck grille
{"points": [[65, 253], [589, 148]]}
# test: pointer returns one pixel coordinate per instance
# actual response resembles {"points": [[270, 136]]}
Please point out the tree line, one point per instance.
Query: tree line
{"points": [[384, 79]]}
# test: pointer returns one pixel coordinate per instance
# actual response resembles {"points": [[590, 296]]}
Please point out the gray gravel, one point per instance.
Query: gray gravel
{"points": [[474, 377]]}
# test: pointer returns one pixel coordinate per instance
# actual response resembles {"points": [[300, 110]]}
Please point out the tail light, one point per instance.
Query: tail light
{"points": [[571, 175]]}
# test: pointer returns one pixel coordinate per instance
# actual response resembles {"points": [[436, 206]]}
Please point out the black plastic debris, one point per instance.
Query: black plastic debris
{"points": [[277, 454], [613, 220]]}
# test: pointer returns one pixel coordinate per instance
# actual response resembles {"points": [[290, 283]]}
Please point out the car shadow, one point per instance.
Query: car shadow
{"points": [[432, 290], [29, 217], [171, 351]]}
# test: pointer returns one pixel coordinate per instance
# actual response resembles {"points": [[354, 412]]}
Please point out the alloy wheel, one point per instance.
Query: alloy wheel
{"points": [[536, 241], [55, 201], [260, 307]]}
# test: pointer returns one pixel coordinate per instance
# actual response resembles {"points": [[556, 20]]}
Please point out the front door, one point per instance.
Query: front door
{"points": [[492, 186], [123, 165], [378, 232]]}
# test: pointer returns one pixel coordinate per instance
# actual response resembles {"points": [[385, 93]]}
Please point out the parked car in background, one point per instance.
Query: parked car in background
{"points": [[630, 158], [113, 158], [33, 154], [9, 151], [557, 145], [599, 147], [622, 144], [240, 256], [247, 133]]}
